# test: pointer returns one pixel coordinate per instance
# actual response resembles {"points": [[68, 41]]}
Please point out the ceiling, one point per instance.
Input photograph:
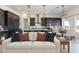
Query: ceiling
{"points": [[57, 10]]}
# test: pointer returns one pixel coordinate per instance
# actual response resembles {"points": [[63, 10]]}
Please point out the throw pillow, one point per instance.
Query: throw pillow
{"points": [[50, 37], [41, 36], [15, 37], [24, 37]]}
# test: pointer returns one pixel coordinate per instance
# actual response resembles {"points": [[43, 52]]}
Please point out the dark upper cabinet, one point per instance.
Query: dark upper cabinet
{"points": [[56, 22], [11, 20], [51, 21], [43, 21], [32, 21], [2, 19]]}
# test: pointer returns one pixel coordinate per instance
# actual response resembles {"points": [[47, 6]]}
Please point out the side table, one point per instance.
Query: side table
{"points": [[64, 41]]}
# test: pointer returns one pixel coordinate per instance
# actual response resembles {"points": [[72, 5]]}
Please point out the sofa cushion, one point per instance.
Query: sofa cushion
{"points": [[24, 37], [32, 36], [26, 45], [41, 36], [43, 45]]}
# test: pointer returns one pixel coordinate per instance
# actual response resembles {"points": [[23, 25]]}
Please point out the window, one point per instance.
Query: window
{"points": [[77, 25], [66, 24]]}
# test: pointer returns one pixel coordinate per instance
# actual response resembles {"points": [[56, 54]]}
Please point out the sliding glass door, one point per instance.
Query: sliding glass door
{"points": [[73, 23], [76, 20]]}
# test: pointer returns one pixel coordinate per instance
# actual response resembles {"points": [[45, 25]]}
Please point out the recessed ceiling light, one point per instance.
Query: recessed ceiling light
{"points": [[19, 8], [57, 7], [62, 6]]}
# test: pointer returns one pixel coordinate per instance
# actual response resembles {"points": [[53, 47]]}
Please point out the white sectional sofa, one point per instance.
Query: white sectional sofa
{"points": [[31, 46]]}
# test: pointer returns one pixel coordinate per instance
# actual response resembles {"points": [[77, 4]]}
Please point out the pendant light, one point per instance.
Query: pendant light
{"points": [[44, 11], [29, 14]]}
